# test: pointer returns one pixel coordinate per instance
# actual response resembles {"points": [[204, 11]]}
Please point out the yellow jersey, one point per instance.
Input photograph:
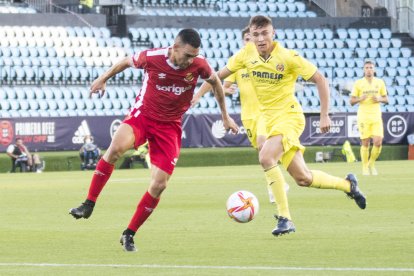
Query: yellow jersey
{"points": [[273, 79], [250, 108], [368, 110]]}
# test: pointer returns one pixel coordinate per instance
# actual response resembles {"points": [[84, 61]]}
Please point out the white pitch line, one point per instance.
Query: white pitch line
{"points": [[393, 269]]}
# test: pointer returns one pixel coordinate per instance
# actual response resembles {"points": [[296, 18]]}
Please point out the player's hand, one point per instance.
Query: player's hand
{"points": [[195, 100], [229, 123], [231, 90], [375, 99], [98, 86], [325, 123], [362, 98]]}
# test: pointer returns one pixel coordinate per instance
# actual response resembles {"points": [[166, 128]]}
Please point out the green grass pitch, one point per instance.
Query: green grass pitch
{"points": [[191, 234]]}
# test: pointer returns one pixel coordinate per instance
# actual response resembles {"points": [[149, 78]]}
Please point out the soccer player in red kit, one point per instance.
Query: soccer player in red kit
{"points": [[170, 78]]}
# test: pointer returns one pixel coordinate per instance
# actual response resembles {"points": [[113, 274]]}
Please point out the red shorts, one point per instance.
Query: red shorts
{"points": [[164, 140]]}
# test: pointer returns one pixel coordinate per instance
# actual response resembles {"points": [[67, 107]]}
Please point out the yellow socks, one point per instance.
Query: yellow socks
{"points": [[276, 181], [364, 156], [375, 152], [323, 180]]}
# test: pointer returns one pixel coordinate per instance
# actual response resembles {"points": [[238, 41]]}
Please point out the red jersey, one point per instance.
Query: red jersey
{"points": [[167, 90]]}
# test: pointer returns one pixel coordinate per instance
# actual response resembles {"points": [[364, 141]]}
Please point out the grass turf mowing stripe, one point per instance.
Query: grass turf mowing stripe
{"points": [[379, 269]]}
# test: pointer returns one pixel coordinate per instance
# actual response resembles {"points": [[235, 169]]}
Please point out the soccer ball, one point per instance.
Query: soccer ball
{"points": [[242, 206]]}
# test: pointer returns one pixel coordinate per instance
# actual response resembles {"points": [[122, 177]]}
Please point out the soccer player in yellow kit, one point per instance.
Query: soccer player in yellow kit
{"points": [[273, 71], [369, 92]]}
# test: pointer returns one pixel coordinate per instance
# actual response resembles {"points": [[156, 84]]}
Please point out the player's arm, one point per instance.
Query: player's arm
{"points": [[382, 98], [355, 95], [99, 84], [10, 150], [324, 97], [354, 99], [224, 73], [204, 88], [217, 87]]}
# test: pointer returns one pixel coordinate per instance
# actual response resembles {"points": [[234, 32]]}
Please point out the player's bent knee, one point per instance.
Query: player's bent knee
{"points": [[157, 187], [265, 161]]}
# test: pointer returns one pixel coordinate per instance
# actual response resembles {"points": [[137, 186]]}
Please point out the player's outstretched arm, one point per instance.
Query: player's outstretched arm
{"points": [[228, 122], [224, 73], [204, 88], [99, 85], [323, 90]]}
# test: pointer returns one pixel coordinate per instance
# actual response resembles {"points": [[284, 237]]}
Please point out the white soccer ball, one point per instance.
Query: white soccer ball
{"points": [[242, 206]]}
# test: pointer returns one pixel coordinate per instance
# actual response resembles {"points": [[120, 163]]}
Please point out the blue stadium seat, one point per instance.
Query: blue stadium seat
{"points": [[375, 33], [395, 52], [372, 53], [402, 71], [352, 43], [383, 52], [392, 62], [386, 33], [353, 33], [391, 72], [399, 90], [342, 33], [319, 34], [379, 72], [391, 91], [405, 52], [396, 42]]}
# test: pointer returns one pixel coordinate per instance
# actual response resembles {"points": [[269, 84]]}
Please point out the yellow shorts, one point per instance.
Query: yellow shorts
{"points": [[290, 125], [254, 128], [368, 129]]}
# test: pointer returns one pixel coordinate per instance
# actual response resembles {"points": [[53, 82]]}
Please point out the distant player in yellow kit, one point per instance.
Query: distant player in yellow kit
{"points": [[369, 92], [252, 118], [273, 71]]}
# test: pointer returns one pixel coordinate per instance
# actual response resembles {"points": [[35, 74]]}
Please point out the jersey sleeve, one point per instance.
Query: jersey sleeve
{"points": [[205, 69], [383, 89], [236, 62], [139, 59], [10, 149], [302, 66], [231, 78], [356, 90]]}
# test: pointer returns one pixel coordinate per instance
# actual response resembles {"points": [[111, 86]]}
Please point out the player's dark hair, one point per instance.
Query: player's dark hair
{"points": [[190, 36], [368, 61], [260, 21], [18, 138], [245, 31]]}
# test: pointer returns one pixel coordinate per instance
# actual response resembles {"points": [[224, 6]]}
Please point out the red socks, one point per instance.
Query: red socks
{"points": [[101, 175], [144, 210], [145, 206]]}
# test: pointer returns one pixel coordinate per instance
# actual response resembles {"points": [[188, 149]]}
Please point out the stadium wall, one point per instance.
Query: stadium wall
{"points": [[69, 160], [53, 19], [239, 22]]}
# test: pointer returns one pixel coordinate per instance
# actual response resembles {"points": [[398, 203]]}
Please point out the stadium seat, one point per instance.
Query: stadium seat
{"points": [[386, 33], [405, 52]]}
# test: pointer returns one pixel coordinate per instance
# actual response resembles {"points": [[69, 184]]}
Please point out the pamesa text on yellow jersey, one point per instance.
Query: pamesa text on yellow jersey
{"points": [[273, 79]]}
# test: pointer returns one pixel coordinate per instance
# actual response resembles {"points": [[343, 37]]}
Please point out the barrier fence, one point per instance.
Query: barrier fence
{"points": [[199, 130]]}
